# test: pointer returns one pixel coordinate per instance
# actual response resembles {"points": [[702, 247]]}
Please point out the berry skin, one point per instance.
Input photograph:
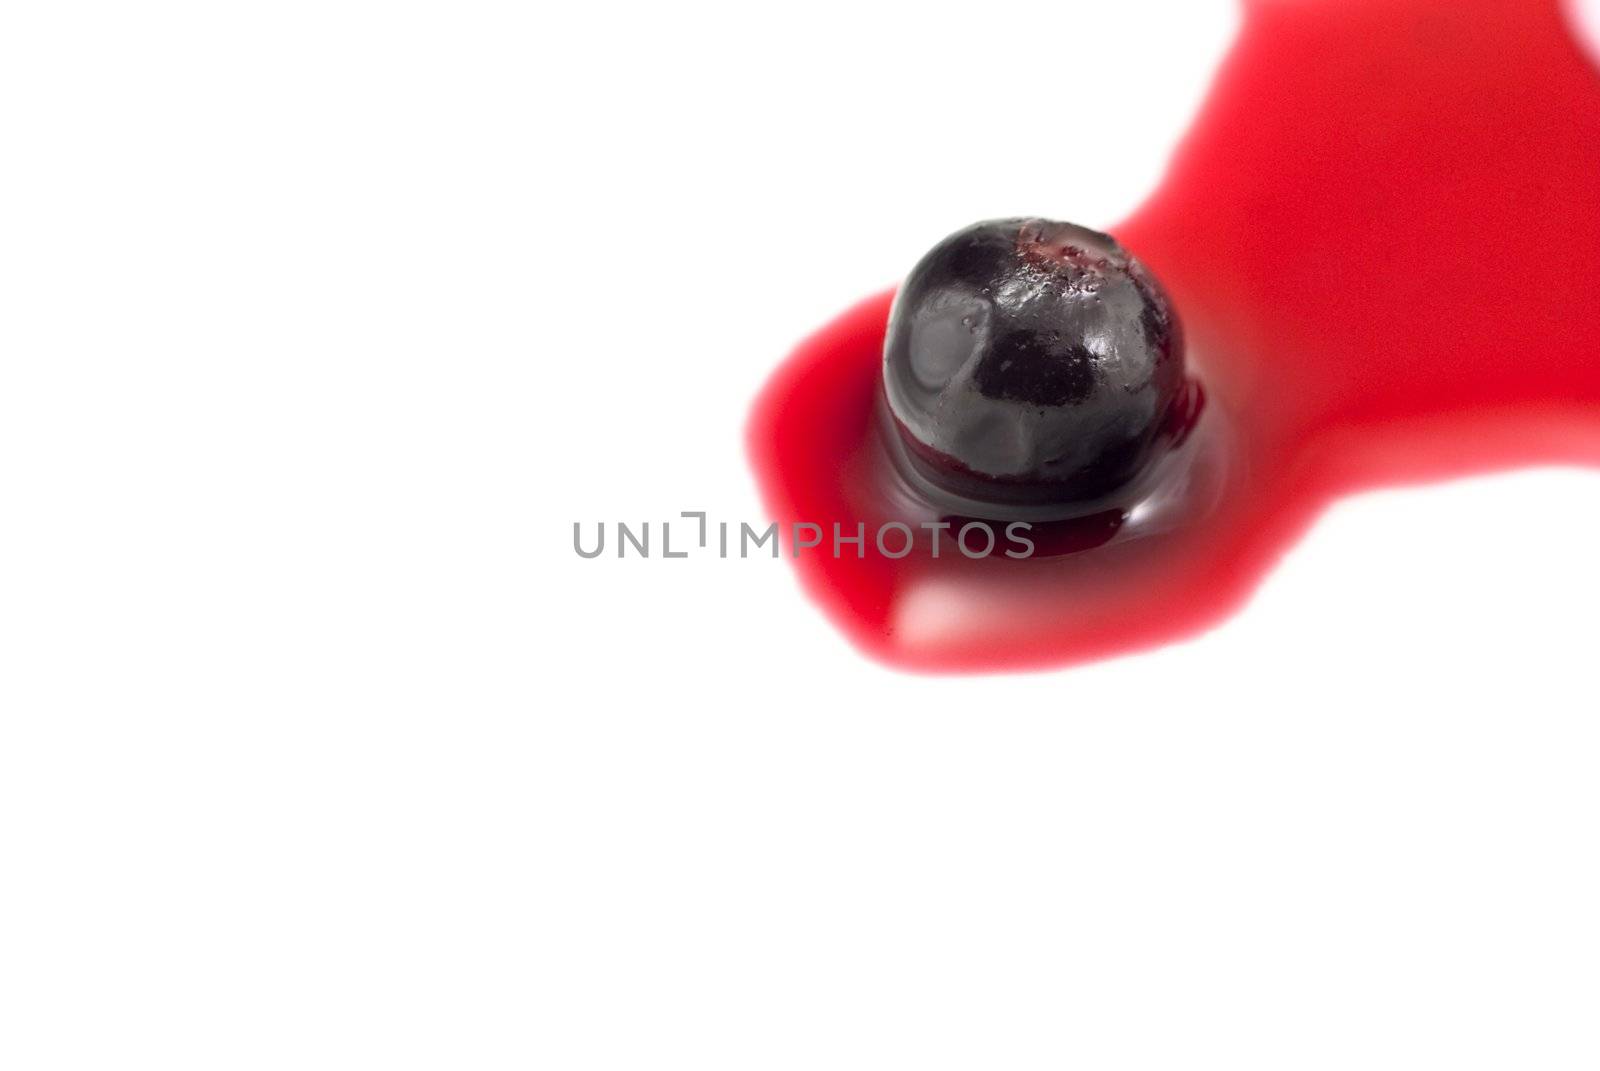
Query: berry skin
{"points": [[1033, 363]]}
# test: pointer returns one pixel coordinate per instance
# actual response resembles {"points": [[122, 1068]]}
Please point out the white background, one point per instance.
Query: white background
{"points": [[319, 747]]}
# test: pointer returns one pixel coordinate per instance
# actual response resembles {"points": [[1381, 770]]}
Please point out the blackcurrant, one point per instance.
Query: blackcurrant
{"points": [[1036, 363]]}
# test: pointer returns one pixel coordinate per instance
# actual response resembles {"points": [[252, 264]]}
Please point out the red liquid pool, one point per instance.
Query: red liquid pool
{"points": [[1383, 238]]}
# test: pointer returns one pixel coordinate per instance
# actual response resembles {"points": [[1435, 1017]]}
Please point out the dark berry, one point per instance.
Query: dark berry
{"points": [[1035, 363]]}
